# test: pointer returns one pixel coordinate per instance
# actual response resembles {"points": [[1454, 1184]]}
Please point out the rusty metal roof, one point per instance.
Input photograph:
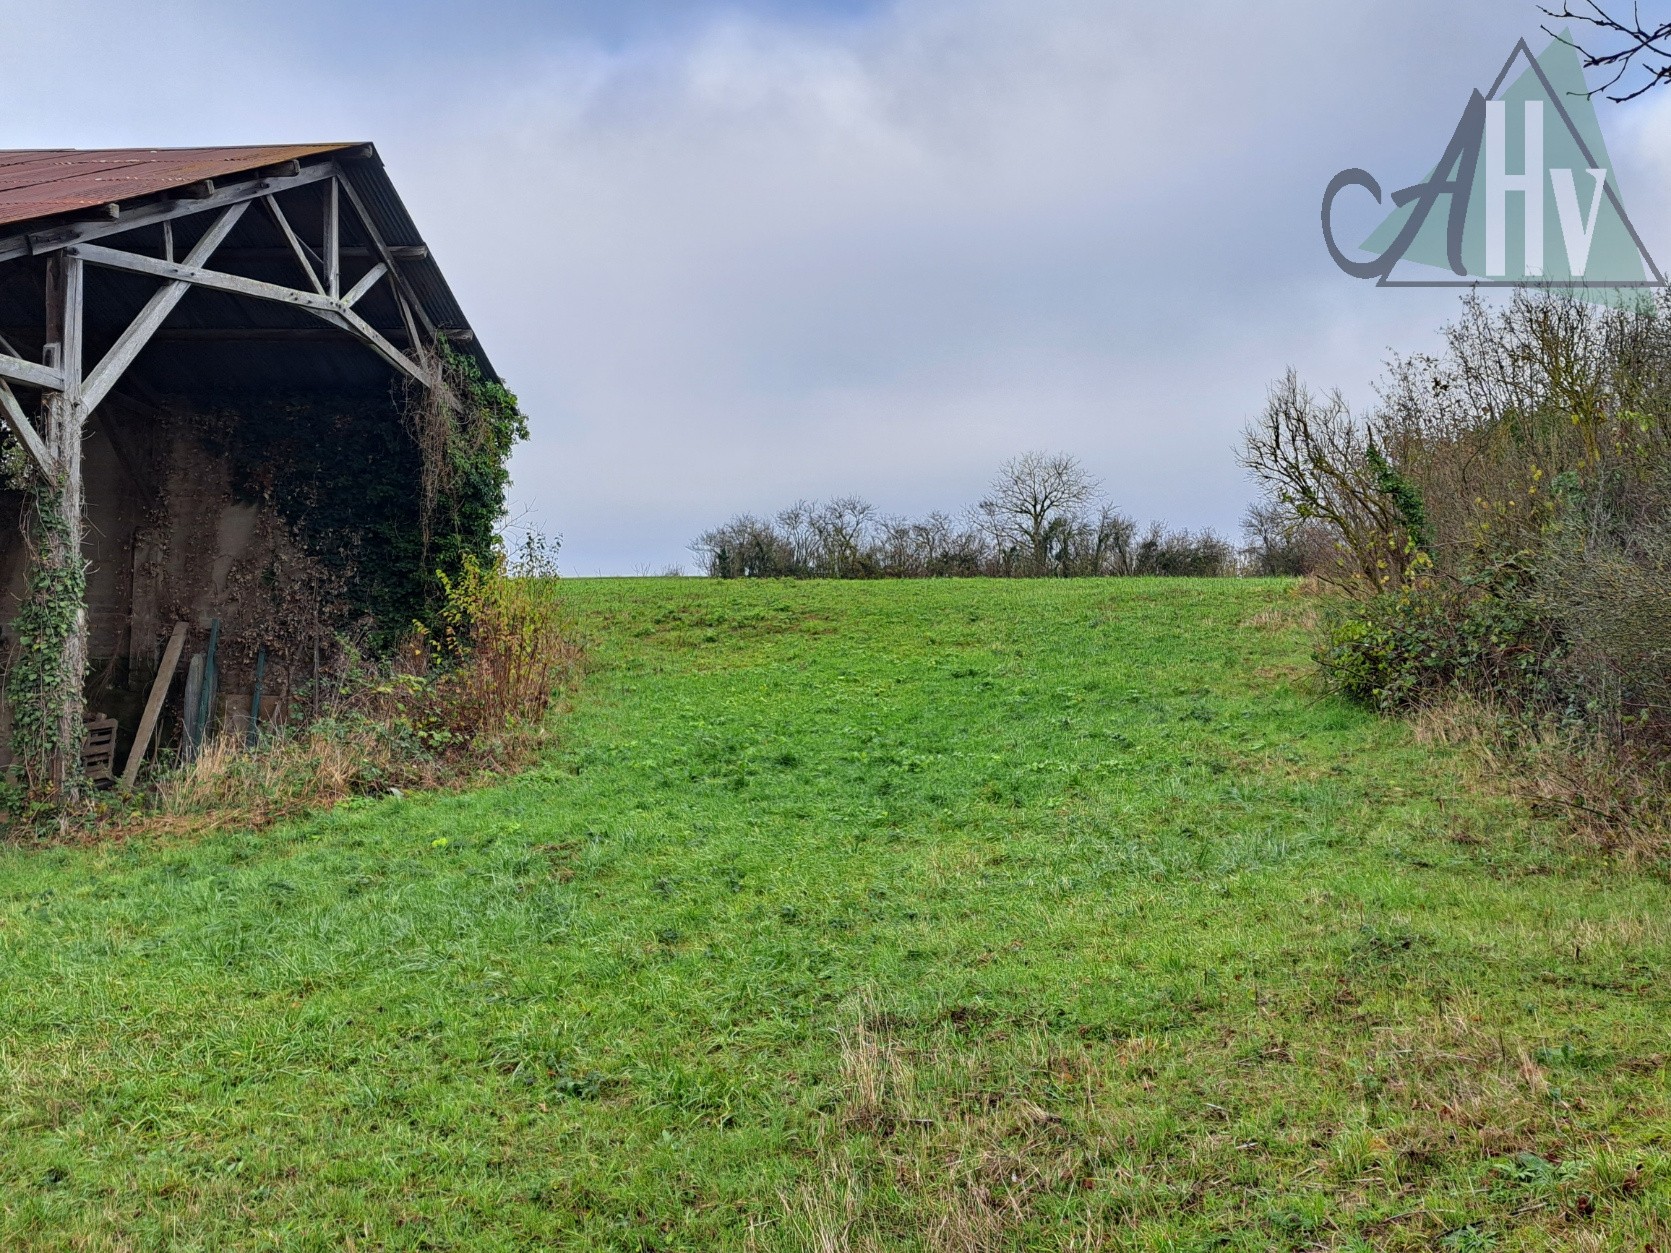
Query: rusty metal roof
{"points": [[42, 182]]}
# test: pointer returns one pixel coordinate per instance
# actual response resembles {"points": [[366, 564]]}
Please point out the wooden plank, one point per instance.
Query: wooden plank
{"points": [[356, 292], [115, 259], [156, 310], [384, 348], [194, 697], [17, 422], [17, 370], [383, 250], [333, 311], [53, 238], [296, 248], [153, 705], [333, 239]]}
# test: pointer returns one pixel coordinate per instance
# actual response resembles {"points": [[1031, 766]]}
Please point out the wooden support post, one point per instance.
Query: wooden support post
{"points": [[358, 291], [255, 698], [58, 584], [298, 249], [194, 697], [333, 242], [153, 705], [17, 422]]}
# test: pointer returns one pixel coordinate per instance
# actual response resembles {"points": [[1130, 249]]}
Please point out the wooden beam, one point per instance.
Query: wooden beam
{"points": [[365, 284], [348, 252], [17, 370], [75, 304], [153, 705], [17, 422], [333, 240], [296, 248], [407, 320], [140, 330], [165, 210], [265, 335], [388, 351], [383, 250], [333, 311], [237, 284]]}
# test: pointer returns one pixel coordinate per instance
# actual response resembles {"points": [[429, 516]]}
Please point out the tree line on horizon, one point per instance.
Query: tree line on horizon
{"points": [[1043, 517]]}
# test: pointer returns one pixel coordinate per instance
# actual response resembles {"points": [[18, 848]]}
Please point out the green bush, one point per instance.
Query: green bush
{"points": [[1395, 650]]}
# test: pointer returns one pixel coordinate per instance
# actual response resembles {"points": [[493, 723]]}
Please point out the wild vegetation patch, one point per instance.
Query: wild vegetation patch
{"points": [[1500, 528]]}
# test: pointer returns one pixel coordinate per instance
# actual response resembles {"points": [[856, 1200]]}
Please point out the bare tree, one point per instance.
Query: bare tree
{"points": [[1282, 543], [1034, 501], [843, 529], [1317, 462], [1642, 46]]}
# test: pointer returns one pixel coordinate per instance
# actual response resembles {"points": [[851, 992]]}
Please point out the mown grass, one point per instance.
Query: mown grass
{"points": [[930, 915]]}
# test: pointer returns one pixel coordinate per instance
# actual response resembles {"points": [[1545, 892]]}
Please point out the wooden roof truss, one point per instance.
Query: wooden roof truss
{"points": [[72, 388]]}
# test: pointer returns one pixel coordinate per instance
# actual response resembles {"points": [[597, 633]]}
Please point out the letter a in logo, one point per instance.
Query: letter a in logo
{"points": [[1530, 195]]}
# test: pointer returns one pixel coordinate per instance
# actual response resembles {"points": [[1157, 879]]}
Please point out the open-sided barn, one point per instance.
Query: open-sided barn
{"points": [[230, 379]]}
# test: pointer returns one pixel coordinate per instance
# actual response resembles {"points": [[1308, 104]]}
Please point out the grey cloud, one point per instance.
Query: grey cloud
{"points": [[878, 251]]}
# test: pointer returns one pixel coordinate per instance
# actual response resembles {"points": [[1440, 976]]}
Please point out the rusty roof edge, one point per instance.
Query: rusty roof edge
{"points": [[75, 223]]}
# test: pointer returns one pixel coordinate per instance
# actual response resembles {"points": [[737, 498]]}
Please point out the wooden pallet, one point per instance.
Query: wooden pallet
{"points": [[98, 751]]}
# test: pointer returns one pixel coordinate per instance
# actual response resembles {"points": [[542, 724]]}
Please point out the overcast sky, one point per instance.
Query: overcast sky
{"points": [[734, 254]]}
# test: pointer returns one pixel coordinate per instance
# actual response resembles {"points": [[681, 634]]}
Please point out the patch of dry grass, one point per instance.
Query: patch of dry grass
{"points": [[1611, 796]]}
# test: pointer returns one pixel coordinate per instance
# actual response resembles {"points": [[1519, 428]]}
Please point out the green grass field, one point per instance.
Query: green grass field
{"points": [[931, 915]]}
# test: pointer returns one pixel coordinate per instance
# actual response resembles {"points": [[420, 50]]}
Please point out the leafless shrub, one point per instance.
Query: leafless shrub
{"points": [[1281, 543]]}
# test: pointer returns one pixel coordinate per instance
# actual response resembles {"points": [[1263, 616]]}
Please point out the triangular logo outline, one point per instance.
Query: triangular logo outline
{"points": [[1610, 190]]}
